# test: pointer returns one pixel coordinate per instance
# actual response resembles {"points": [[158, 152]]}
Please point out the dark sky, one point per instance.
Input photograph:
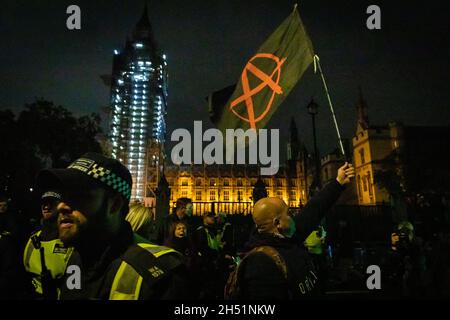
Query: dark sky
{"points": [[403, 68]]}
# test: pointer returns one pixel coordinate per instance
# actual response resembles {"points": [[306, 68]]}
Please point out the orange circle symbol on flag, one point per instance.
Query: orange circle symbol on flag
{"points": [[267, 80]]}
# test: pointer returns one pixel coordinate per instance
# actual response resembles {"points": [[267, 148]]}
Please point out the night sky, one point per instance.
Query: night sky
{"points": [[403, 68]]}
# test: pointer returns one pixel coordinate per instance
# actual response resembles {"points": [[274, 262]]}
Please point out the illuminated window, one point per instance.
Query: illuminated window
{"points": [[226, 182], [226, 195], [369, 183], [361, 154], [292, 196], [212, 195], [198, 196]]}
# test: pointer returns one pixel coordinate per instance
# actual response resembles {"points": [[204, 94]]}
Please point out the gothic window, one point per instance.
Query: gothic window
{"points": [[361, 154], [369, 183], [359, 186]]}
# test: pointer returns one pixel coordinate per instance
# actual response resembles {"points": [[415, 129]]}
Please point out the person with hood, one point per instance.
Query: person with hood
{"points": [[277, 265]]}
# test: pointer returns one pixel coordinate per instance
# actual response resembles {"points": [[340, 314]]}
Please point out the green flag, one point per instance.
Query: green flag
{"points": [[266, 80]]}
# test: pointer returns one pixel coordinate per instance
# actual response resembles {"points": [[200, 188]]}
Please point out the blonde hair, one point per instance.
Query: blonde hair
{"points": [[138, 216]]}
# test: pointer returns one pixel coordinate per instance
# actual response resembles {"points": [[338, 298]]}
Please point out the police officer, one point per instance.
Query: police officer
{"points": [[109, 261], [45, 256]]}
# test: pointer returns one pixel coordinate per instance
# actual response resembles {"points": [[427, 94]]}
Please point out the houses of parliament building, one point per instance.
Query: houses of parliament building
{"points": [[235, 183]]}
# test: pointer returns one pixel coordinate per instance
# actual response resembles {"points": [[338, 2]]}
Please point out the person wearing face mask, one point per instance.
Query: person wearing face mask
{"points": [[277, 265]]}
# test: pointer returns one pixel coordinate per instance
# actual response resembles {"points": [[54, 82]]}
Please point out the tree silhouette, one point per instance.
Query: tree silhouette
{"points": [[43, 135]]}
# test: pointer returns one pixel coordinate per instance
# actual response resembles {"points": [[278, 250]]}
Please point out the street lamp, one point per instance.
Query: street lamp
{"points": [[313, 110]]}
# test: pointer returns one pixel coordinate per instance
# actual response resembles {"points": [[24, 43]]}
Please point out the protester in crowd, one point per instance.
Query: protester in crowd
{"points": [[406, 263], [225, 234], [45, 256], [112, 262], [182, 212], [277, 266], [208, 243], [178, 238], [206, 237], [314, 244]]}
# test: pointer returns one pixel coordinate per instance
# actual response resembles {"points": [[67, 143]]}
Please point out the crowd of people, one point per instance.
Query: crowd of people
{"points": [[122, 253]]}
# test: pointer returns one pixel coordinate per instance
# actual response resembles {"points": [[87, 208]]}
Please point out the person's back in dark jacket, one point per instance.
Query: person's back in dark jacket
{"points": [[260, 276], [262, 279]]}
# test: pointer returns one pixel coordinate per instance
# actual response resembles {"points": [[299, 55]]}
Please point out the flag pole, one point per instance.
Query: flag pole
{"points": [[318, 67]]}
